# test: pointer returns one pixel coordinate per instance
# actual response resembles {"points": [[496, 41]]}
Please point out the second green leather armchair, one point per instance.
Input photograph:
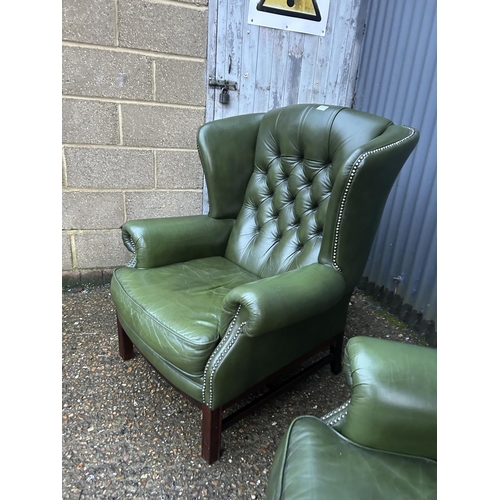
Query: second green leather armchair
{"points": [[220, 303], [381, 444]]}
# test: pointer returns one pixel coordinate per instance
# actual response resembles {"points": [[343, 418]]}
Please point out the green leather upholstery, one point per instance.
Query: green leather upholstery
{"points": [[219, 302], [380, 445], [393, 406], [183, 329]]}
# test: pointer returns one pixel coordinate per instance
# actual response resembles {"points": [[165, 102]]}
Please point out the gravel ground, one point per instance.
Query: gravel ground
{"points": [[128, 434]]}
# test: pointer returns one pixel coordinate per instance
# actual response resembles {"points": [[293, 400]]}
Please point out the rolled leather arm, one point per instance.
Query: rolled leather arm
{"points": [[285, 299], [163, 241], [393, 402]]}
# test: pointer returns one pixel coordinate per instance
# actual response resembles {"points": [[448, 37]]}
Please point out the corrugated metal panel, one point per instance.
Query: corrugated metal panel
{"points": [[397, 79]]}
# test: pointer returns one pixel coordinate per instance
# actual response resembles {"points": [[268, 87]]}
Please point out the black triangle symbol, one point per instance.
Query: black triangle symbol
{"points": [[291, 8]]}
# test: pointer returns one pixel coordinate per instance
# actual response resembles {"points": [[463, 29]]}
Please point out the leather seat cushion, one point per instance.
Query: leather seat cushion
{"points": [[175, 309], [314, 461]]}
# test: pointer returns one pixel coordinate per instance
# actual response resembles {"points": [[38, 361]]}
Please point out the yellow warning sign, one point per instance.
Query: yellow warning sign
{"points": [[304, 9], [303, 16]]}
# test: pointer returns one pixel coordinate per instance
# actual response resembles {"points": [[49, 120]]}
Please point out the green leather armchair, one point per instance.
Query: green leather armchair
{"points": [[381, 444], [221, 303]]}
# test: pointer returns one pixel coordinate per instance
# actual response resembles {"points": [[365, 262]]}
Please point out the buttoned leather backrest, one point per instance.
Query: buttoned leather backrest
{"points": [[296, 194]]}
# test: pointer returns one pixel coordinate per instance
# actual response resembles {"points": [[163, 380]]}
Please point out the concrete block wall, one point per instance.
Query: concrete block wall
{"points": [[133, 97]]}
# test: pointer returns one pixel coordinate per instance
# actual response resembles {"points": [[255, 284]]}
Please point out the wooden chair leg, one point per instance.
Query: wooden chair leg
{"points": [[336, 350], [125, 344], [211, 434]]}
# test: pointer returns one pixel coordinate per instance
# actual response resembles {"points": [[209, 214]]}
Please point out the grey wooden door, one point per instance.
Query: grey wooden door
{"points": [[276, 67]]}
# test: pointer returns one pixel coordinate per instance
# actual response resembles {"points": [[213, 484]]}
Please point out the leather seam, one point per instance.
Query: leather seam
{"points": [[174, 367], [379, 450], [162, 325], [286, 455]]}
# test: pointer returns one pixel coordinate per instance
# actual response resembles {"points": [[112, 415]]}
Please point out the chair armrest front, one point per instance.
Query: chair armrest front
{"points": [[394, 393], [285, 299], [164, 241]]}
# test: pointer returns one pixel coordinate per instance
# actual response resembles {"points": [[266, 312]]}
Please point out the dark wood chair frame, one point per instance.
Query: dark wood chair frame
{"points": [[213, 423]]}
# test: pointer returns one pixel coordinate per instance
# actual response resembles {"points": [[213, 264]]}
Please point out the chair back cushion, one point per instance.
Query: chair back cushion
{"points": [[300, 151]]}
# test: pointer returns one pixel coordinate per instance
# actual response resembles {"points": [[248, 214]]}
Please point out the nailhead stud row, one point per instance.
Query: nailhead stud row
{"points": [[340, 408], [217, 350], [338, 419], [348, 186], [133, 261]]}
